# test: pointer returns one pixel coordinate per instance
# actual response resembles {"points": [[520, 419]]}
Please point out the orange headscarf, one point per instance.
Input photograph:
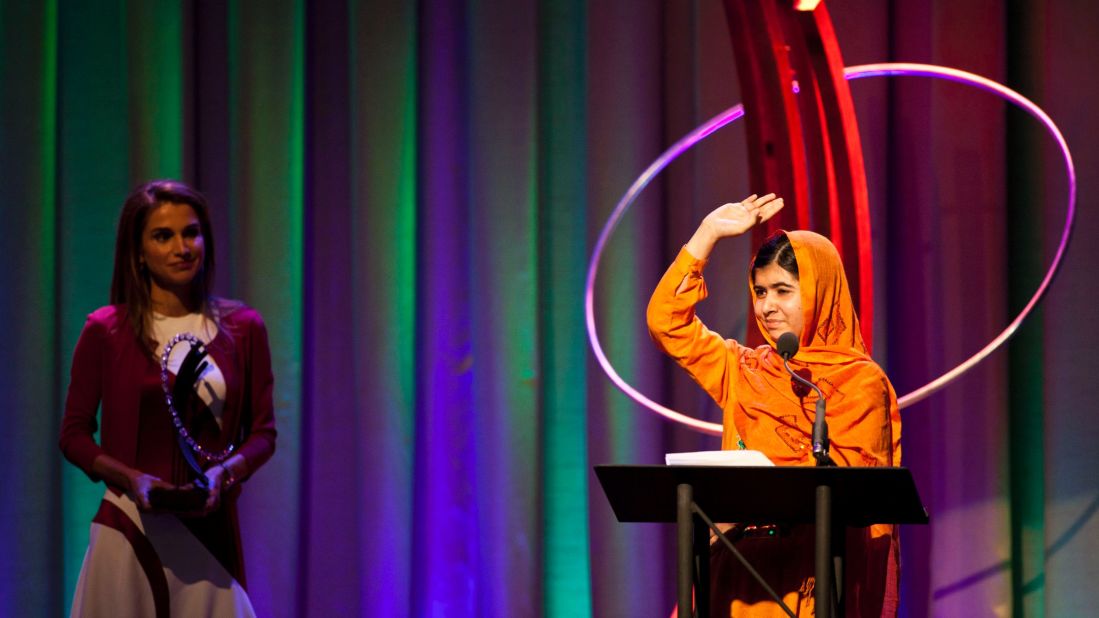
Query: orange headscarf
{"points": [[767, 413]]}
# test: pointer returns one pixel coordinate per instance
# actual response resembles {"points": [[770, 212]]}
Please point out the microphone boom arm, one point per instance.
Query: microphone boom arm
{"points": [[820, 424]]}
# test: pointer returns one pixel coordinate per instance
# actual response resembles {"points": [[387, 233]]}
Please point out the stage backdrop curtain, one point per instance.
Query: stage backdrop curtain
{"points": [[409, 192]]}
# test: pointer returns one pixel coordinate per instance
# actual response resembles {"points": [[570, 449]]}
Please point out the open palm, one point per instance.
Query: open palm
{"points": [[735, 218]]}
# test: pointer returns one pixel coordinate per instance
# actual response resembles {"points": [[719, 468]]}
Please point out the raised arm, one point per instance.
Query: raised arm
{"points": [[730, 220], [671, 317]]}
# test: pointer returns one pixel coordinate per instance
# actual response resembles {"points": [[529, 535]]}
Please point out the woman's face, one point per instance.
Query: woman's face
{"points": [[172, 246], [777, 301]]}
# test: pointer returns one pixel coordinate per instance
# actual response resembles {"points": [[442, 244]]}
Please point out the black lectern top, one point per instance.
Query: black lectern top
{"points": [[772, 494]]}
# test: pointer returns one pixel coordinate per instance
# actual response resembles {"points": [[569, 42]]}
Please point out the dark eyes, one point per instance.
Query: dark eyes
{"points": [[164, 235], [783, 291]]}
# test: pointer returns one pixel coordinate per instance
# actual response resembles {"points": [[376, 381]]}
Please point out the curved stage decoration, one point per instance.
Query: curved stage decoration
{"points": [[892, 69]]}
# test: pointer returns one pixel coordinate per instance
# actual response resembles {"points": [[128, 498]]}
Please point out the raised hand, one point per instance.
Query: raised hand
{"points": [[732, 220], [738, 217]]}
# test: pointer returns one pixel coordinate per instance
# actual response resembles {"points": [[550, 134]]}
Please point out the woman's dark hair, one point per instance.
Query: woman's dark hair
{"points": [[776, 249], [130, 281]]}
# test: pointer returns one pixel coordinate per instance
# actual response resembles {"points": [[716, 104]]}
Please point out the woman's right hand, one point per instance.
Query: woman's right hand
{"points": [[140, 484], [732, 219], [136, 483]]}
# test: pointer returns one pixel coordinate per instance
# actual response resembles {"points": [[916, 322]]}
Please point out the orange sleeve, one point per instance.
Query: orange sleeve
{"points": [[865, 425], [679, 333]]}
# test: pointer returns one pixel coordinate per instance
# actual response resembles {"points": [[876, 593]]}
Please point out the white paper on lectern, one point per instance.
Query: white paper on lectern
{"points": [[718, 458]]}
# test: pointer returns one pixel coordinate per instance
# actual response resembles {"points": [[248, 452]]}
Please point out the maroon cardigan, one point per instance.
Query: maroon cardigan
{"points": [[107, 367]]}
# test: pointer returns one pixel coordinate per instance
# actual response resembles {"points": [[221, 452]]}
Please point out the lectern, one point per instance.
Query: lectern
{"points": [[832, 498]]}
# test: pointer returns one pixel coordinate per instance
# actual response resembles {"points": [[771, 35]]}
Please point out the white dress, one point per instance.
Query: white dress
{"points": [[149, 564]]}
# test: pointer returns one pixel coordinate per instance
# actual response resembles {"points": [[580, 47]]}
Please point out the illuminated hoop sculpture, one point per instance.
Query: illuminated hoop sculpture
{"points": [[733, 113]]}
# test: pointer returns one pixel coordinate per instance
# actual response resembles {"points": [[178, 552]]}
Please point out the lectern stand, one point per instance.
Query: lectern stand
{"points": [[690, 495]]}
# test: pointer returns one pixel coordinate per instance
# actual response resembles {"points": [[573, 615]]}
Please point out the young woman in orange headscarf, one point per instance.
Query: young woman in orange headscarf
{"points": [[797, 285]]}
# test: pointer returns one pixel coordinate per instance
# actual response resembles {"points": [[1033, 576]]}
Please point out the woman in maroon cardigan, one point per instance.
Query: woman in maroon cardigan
{"points": [[152, 551]]}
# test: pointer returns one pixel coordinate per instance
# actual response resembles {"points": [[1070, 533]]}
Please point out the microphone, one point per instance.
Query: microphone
{"points": [[787, 346]]}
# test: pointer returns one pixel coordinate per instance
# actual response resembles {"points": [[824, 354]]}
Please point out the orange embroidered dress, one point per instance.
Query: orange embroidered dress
{"points": [[763, 411]]}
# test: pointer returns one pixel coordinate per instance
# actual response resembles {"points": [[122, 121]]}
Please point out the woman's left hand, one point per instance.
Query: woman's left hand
{"points": [[217, 479], [220, 477]]}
